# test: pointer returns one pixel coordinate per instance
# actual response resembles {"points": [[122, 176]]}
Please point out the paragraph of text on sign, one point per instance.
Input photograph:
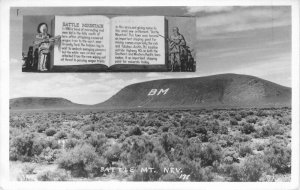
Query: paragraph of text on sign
{"points": [[83, 42], [136, 45]]}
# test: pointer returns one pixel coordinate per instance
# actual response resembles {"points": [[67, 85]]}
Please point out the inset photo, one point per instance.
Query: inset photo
{"points": [[108, 43]]}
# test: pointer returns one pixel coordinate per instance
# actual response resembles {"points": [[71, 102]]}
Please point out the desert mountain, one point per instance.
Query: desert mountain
{"points": [[225, 90], [41, 103], [216, 91]]}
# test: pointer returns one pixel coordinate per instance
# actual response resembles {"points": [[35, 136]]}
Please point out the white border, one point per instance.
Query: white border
{"points": [[4, 102]]}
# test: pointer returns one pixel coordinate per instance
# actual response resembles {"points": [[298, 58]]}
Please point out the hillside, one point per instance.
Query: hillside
{"points": [[226, 90], [216, 91]]}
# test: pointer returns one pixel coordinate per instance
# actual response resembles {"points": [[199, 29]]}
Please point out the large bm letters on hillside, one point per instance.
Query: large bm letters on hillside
{"points": [[158, 92]]}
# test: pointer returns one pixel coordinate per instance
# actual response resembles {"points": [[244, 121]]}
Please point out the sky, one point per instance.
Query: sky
{"points": [[252, 40]]}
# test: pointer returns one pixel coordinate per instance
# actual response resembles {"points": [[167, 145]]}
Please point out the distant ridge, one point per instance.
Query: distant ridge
{"points": [[216, 91], [41, 103]]}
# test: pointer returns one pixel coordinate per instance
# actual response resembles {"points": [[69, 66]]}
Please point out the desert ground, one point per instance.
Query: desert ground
{"points": [[249, 144]]}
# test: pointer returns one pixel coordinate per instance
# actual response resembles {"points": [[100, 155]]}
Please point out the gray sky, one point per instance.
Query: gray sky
{"points": [[243, 40]]}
